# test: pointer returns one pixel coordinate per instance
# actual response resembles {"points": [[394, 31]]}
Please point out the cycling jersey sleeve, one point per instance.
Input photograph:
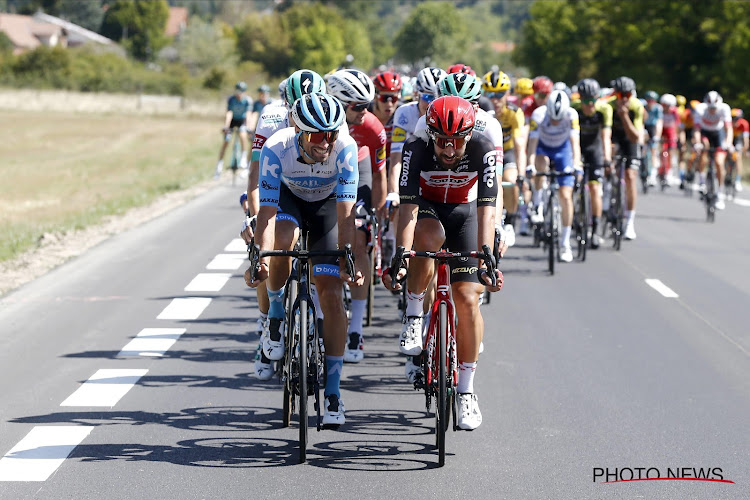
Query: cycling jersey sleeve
{"points": [[348, 173], [536, 119], [575, 127], [411, 160], [487, 159], [377, 146], [270, 178], [606, 111]]}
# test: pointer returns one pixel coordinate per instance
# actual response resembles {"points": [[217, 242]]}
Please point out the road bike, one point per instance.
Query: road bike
{"points": [[615, 202], [233, 135], [552, 225], [730, 173], [582, 214], [711, 194], [303, 366], [439, 374], [375, 253]]}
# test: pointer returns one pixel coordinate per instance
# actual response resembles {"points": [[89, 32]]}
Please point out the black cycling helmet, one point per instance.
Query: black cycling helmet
{"points": [[588, 88], [623, 84]]}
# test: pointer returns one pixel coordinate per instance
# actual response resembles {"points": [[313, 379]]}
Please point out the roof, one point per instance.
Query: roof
{"points": [[24, 31], [72, 29], [177, 21]]}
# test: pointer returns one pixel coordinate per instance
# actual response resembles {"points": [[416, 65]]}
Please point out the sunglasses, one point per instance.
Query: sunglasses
{"points": [[624, 95], [541, 95], [496, 95], [442, 142], [588, 101], [318, 137], [358, 107], [388, 97], [428, 98]]}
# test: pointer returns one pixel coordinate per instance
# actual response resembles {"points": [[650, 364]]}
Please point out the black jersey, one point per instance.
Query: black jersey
{"points": [[472, 178]]}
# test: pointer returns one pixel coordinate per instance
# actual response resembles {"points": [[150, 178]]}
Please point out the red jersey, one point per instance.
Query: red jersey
{"points": [[741, 127], [528, 105], [371, 134]]}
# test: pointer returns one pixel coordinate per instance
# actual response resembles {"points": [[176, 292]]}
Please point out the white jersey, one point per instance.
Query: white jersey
{"points": [[404, 122], [553, 135], [280, 161], [484, 124], [704, 119]]}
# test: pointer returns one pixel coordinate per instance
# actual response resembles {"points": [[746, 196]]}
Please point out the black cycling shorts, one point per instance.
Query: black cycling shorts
{"points": [[630, 150], [319, 218], [460, 224], [509, 159], [593, 162], [715, 137]]}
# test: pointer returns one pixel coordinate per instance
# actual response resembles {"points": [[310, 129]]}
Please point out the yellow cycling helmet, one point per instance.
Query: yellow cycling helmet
{"points": [[681, 101], [524, 86], [496, 81]]}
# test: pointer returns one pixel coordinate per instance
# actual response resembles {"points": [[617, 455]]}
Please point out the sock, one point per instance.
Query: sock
{"points": [[538, 197], [276, 307], [565, 236], [334, 366], [594, 224], [219, 165], [510, 219], [414, 303], [358, 314], [466, 377], [630, 216], [316, 300], [243, 159]]}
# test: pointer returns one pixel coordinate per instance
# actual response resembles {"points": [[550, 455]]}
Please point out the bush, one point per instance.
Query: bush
{"points": [[43, 67], [214, 79]]}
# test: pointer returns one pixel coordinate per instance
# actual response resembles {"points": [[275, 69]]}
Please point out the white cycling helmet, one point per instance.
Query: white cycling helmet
{"points": [[351, 86], [428, 80], [557, 104], [713, 99], [668, 100]]}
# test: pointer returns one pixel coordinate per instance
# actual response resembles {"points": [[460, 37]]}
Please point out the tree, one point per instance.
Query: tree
{"points": [[85, 13], [140, 24], [431, 31], [203, 45], [262, 38]]}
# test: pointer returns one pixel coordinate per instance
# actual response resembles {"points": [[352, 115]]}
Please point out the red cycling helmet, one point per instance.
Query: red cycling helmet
{"points": [[450, 116], [387, 81], [461, 68], [542, 84]]}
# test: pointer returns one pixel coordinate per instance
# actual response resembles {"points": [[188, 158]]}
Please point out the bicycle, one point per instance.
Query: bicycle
{"points": [[551, 227], [730, 173], [439, 376], [665, 167], [375, 255], [233, 134], [646, 165], [303, 364], [712, 192], [582, 214], [615, 219]]}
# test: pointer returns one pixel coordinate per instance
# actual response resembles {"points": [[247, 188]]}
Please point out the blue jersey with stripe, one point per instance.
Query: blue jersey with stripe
{"points": [[239, 107], [280, 161]]}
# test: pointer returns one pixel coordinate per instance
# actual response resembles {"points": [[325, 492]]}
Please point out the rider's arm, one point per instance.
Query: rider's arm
{"points": [[409, 193], [533, 142], [379, 173], [607, 143], [631, 131], [228, 118], [487, 196], [346, 195], [519, 143]]}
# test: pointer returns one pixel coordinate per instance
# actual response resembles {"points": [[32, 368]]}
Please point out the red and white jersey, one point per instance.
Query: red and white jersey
{"points": [[671, 118], [371, 135], [717, 119]]}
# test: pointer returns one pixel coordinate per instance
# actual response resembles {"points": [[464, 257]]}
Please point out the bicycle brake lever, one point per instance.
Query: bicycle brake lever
{"points": [[253, 253], [489, 260], [397, 263], [349, 256]]}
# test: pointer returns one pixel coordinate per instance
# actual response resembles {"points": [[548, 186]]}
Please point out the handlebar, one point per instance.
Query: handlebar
{"points": [[255, 254], [399, 259]]}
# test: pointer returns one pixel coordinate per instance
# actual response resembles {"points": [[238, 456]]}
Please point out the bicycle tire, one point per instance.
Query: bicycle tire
{"points": [[710, 197], [550, 235], [317, 369], [618, 218], [370, 291], [236, 157], [441, 401], [585, 222], [303, 372], [290, 297]]}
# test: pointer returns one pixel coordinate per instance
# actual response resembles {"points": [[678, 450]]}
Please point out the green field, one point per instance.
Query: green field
{"points": [[65, 171]]}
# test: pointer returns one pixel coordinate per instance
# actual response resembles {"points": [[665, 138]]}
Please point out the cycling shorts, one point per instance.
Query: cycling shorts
{"points": [[460, 224], [319, 218], [509, 159], [669, 137], [240, 124], [593, 162], [715, 138], [562, 158], [630, 150]]}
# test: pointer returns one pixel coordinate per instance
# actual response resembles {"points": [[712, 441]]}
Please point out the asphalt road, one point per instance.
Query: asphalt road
{"points": [[589, 369]]}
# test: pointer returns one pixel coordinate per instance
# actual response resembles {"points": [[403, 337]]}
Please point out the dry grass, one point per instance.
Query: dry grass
{"points": [[63, 171]]}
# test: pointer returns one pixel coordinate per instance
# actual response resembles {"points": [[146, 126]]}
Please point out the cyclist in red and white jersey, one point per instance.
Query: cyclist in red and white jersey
{"points": [[713, 128], [356, 91], [670, 130], [741, 143]]}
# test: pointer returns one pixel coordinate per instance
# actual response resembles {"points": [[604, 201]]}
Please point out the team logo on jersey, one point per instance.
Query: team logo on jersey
{"points": [[269, 168], [347, 162], [403, 120], [268, 186], [480, 125], [533, 125], [259, 141], [406, 163], [381, 153], [398, 135]]}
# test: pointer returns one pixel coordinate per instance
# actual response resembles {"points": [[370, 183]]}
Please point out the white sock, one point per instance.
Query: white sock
{"points": [[629, 216], [414, 303], [565, 236], [219, 165], [466, 377], [358, 314], [316, 300], [243, 160], [538, 197]]}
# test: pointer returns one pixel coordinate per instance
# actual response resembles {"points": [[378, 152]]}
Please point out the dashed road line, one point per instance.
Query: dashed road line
{"points": [[105, 388], [208, 282], [41, 452], [661, 288], [152, 342], [185, 308], [236, 245], [227, 262], [742, 202]]}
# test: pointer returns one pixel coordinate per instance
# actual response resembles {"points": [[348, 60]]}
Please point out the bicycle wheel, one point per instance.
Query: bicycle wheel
{"points": [[370, 290], [441, 399], [236, 157], [303, 372], [710, 197], [585, 221], [317, 367], [290, 297], [550, 234], [618, 214]]}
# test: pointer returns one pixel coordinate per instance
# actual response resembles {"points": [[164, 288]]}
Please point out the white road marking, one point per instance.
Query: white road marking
{"points": [[208, 282], [41, 452], [236, 245], [227, 262], [661, 288], [152, 342], [104, 388], [742, 202], [185, 308]]}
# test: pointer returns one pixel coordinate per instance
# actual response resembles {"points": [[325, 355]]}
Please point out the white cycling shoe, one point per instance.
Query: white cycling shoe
{"points": [[566, 254], [410, 342], [334, 411], [273, 339], [354, 352], [469, 416]]}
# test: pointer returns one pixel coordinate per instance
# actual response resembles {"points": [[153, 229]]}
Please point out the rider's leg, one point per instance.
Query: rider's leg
{"points": [[334, 328], [244, 141], [566, 205]]}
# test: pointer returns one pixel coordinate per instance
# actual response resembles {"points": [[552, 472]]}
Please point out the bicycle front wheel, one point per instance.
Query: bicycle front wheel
{"points": [[551, 231], [370, 290], [290, 296], [303, 372], [617, 228], [711, 193], [441, 401], [584, 221]]}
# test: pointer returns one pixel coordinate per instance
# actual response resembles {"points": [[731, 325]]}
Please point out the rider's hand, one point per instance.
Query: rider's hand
{"points": [[260, 276], [485, 279], [357, 280], [247, 232], [391, 284]]}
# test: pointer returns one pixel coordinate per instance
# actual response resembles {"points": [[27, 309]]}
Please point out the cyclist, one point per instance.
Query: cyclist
{"points": [[554, 134], [542, 87], [496, 85], [448, 194], [741, 137], [713, 123], [264, 98], [356, 92], [596, 144], [627, 129], [525, 94], [670, 132], [236, 117], [273, 119], [309, 178], [653, 123]]}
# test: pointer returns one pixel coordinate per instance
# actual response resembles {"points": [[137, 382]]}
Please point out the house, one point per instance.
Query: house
{"points": [[177, 21], [30, 32]]}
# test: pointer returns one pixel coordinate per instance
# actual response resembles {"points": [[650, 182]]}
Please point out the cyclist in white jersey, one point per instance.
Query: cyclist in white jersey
{"points": [[309, 179], [713, 123], [554, 134]]}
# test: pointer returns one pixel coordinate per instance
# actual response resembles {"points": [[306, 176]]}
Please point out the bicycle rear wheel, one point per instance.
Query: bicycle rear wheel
{"points": [[236, 156], [584, 221], [303, 372], [441, 401]]}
